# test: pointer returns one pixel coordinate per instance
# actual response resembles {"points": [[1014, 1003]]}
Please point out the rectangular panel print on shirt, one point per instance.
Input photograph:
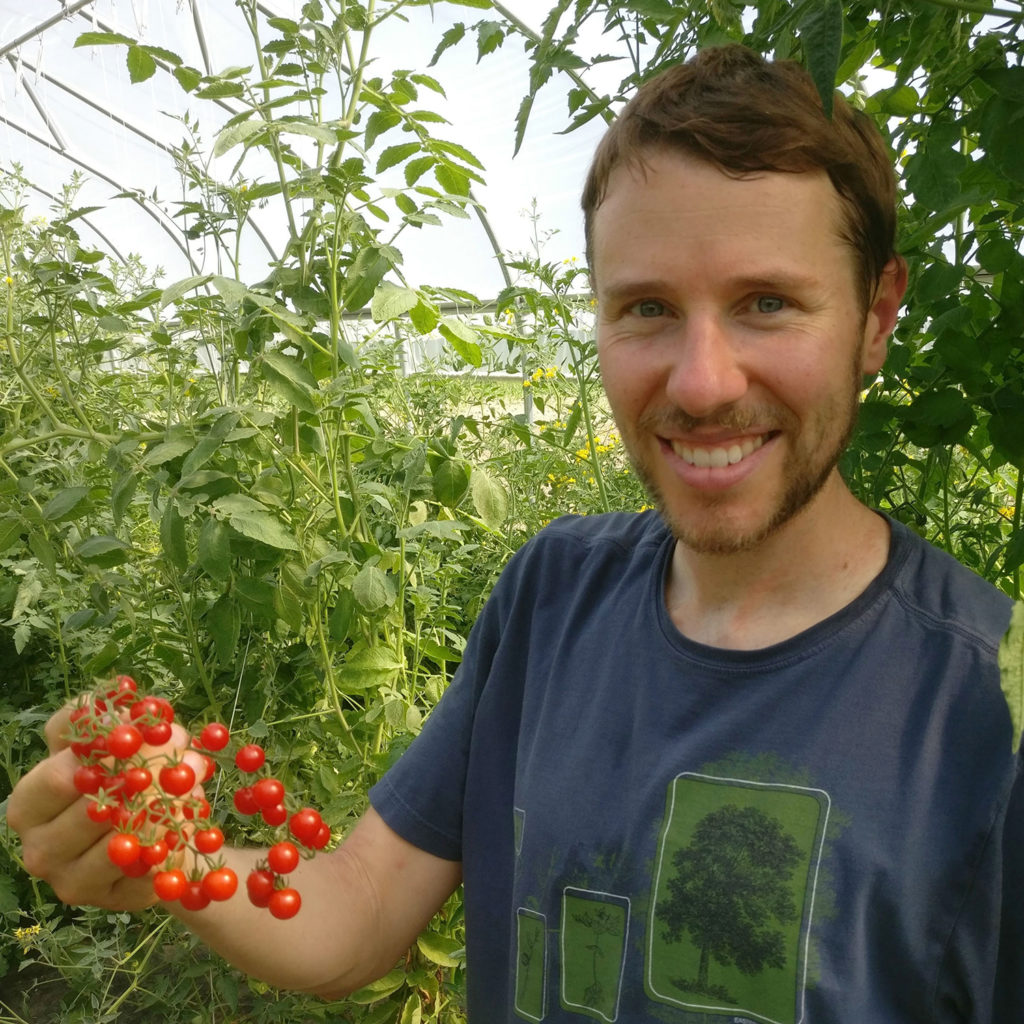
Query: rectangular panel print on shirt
{"points": [[733, 896], [595, 926]]}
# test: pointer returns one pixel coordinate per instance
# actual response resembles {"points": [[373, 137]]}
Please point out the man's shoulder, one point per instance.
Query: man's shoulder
{"points": [[625, 530], [935, 586]]}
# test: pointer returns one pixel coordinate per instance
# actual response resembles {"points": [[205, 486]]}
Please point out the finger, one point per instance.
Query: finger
{"points": [[57, 730], [44, 793]]}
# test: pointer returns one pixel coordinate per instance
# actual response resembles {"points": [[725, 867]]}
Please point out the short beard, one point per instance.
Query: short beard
{"points": [[800, 493]]}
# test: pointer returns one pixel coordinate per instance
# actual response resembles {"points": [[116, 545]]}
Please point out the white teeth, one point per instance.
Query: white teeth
{"points": [[717, 458]]}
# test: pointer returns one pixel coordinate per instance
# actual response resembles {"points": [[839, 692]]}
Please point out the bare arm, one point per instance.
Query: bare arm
{"points": [[362, 905]]}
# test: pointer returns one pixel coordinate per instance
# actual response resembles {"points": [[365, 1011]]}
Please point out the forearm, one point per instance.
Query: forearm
{"points": [[362, 907]]}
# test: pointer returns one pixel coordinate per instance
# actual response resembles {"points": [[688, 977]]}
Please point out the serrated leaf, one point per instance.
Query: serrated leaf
{"points": [[188, 78], [489, 498], [391, 301], [103, 551], [233, 134], [252, 520], [174, 292], [374, 589], [1011, 671], [66, 504], [140, 64], [224, 621], [172, 537], [394, 155], [451, 482], [290, 379], [167, 451], [10, 532], [103, 39], [438, 949], [463, 339], [214, 552], [821, 33], [369, 667]]}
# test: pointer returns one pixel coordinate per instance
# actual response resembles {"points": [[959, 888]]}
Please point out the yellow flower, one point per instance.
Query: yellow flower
{"points": [[8, 280], [527, 383], [26, 936]]}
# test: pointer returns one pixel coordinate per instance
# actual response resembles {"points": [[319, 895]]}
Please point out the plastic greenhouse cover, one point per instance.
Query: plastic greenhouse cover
{"points": [[64, 109]]}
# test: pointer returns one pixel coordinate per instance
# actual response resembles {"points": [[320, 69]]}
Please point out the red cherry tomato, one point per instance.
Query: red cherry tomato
{"points": [[275, 816], [283, 858], [90, 778], [193, 898], [245, 802], [158, 734], [260, 887], [250, 758], [214, 736], [155, 853], [285, 903], [268, 792], [305, 825], [170, 885], [99, 812], [123, 849], [220, 884], [124, 741], [208, 840], [137, 780], [177, 779]]}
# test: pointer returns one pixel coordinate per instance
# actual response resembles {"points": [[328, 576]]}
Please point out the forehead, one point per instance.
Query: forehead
{"points": [[676, 208]]}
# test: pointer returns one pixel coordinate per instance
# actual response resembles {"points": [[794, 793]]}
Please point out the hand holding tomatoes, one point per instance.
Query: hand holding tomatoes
{"points": [[141, 778]]}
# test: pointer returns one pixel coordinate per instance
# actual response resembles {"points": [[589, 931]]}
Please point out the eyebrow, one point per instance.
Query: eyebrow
{"points": [[771, 281]]}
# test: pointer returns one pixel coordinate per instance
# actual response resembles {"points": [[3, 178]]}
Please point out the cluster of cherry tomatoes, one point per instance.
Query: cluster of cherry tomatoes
{"points": [[156, 809]]}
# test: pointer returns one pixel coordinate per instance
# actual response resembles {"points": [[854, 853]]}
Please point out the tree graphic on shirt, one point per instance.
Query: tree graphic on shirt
{"points": [[732, 886]]}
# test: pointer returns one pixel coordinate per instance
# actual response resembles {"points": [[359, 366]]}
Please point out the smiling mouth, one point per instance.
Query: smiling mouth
{"points": [[718, 457]]}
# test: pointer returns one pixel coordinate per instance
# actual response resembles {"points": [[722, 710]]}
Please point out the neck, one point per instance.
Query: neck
{"points": [[810, 568]]}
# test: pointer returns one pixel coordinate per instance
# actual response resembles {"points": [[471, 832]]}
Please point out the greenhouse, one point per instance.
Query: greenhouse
{"points": [[300, 348]]}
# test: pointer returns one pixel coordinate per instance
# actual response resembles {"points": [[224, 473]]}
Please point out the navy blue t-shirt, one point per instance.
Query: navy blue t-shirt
{"points": [[652, 829]]}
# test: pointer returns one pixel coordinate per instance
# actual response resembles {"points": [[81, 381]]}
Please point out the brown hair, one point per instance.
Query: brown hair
{"points": [[730, 107]]}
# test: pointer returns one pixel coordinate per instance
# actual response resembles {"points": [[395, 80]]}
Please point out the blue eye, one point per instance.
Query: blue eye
{"points": [[769, 304], [649, 308]]}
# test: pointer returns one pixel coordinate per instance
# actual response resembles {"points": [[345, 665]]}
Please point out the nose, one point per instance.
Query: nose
{"points": [[705, 373]]}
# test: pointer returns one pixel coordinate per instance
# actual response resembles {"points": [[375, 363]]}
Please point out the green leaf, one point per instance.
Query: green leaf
{"points": [[290, 379], [394, 155], [224, 621], [103, 551], [391, 301], [821, 32], [66, 504], [379, 122], [207, 445], [172, 537], [1011, 671], [10, 532], [188, 78], [103, 39], [214, 552], [451, 482], [233, 134], [374, 589], [365, 274], [439, 949], [221, 91], [253, 520], [339, 623], [489, 498], [167, 451], [463, 339], [368, 668], [140, 64], [177, 290]]}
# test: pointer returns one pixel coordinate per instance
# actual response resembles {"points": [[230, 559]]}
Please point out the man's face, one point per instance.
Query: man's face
{"points": [[731, 341]]}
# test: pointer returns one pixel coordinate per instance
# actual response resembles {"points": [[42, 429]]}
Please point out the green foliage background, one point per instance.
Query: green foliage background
{"points": [[231, 490]]}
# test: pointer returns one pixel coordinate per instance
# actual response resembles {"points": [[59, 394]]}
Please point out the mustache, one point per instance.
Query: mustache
{"points": [[755, 418]]}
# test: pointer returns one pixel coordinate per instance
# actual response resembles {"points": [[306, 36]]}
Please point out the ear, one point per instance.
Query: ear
{"points": [[882, 314]]}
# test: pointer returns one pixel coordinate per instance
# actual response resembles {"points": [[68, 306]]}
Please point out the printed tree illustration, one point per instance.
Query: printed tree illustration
{"points": [[732, 885]]}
